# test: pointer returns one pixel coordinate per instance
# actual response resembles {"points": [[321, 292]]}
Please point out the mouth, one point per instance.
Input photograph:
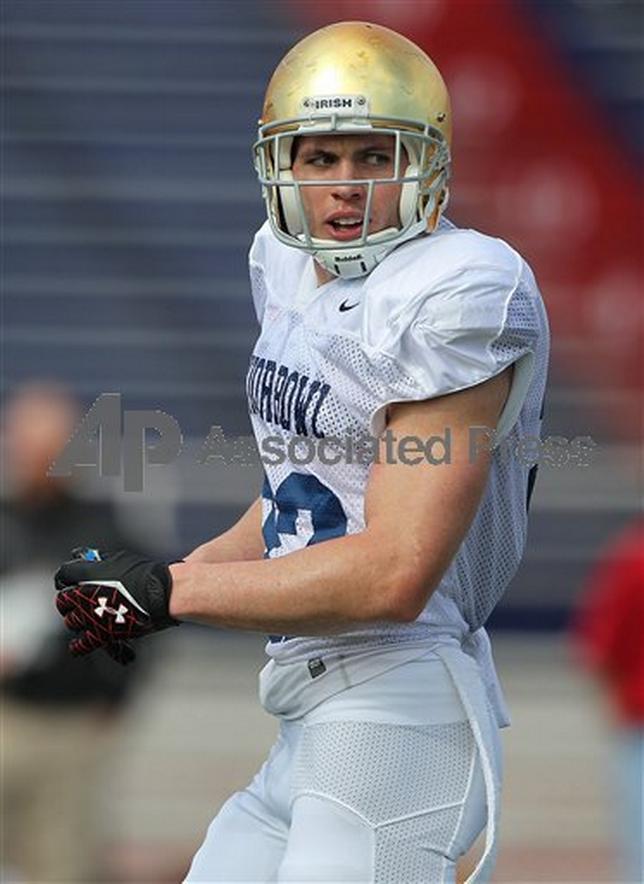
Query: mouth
{"points": [[345, 228]]}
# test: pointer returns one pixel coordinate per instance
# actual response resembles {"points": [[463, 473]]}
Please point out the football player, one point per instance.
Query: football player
{"points": [[373, 568]]}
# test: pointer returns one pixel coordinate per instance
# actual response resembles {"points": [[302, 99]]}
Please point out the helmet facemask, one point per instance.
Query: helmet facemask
{"points": [[423, 183]]}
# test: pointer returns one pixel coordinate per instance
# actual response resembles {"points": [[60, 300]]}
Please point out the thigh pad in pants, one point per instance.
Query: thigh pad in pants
{"points": [[409, 785]]}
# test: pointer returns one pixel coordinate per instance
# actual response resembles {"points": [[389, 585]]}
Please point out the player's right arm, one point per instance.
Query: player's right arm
{"points": [[241, 543]]}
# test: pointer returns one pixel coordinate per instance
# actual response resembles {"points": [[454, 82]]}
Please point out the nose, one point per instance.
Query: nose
{"points": [[349, 190]]}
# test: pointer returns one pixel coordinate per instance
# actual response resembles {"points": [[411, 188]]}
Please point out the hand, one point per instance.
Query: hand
{"points": [[122, 596]]}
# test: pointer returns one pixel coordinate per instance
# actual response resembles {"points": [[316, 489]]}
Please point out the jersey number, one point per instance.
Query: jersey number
{"points": [[302, 493]]}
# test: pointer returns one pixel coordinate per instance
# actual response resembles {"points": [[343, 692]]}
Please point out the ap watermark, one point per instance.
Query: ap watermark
{"points": [[120, 442]]}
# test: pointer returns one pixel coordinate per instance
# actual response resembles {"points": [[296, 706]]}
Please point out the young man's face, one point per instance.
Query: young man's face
{"points": [[337, 211]]}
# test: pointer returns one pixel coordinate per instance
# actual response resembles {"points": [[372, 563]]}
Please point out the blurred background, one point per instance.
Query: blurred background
{"points": [[129, 203]]}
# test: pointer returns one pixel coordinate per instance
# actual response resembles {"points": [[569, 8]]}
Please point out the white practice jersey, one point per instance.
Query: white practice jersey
{"points": [[441, 313]]}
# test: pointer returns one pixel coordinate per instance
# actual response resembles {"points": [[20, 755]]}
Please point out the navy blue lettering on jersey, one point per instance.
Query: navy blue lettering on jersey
{"points": [[301, 491], [286, 398]]}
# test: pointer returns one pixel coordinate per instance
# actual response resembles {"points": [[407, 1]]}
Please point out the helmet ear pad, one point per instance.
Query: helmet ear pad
{"points": [[408, 205], [289, 205], [288, 200]]}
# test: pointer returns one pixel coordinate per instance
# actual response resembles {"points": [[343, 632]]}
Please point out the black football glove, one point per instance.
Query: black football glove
{"points": [[122, 596]]}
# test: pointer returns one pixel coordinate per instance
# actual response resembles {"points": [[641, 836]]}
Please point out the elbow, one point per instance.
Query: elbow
{"points": [[407, 594], [407, 608], [397, 580]]}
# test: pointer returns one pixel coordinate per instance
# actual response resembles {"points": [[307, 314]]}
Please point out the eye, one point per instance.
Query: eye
{"points": [[377, 158], [320, 160]]}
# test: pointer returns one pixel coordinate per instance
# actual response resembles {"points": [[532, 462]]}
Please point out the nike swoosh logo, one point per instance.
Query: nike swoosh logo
{"points": [[344, 306]]}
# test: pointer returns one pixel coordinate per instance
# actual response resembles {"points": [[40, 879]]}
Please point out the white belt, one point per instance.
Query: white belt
{"points": [[480, 721], [477, 645]]}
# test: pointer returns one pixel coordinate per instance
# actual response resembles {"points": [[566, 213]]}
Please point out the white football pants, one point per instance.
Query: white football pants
{"points": [[381, 782]]}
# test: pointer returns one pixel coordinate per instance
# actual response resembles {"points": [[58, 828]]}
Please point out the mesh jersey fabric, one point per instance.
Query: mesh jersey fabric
{"points": [[440, 314]]}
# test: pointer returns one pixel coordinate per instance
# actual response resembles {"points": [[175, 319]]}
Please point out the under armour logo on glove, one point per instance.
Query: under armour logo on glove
{"points": [[110, 601], [103, 607]]}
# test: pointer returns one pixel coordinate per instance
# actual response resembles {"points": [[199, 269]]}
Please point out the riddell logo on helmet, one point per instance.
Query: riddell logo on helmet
{"points": [[352, 103]]}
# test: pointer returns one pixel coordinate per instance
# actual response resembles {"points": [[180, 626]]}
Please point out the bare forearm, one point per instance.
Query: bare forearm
{"points": [[224, 548], [320, 589]]}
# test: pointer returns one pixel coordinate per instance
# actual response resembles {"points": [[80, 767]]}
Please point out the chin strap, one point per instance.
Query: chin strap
{"points": [[358, 259]]}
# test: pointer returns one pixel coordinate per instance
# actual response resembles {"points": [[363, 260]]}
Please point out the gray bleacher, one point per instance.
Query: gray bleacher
{"points": [[130, 199]]}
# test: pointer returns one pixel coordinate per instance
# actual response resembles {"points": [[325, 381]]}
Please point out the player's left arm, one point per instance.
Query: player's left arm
{"points": [[416, 518]]}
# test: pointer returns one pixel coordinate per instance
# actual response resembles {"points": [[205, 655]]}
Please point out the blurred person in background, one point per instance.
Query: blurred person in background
{"points": [[608, 635], [58, 713]]}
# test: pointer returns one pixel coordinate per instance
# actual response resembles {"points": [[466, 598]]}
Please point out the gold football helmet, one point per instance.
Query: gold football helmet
{"points": [[356, 78]]}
